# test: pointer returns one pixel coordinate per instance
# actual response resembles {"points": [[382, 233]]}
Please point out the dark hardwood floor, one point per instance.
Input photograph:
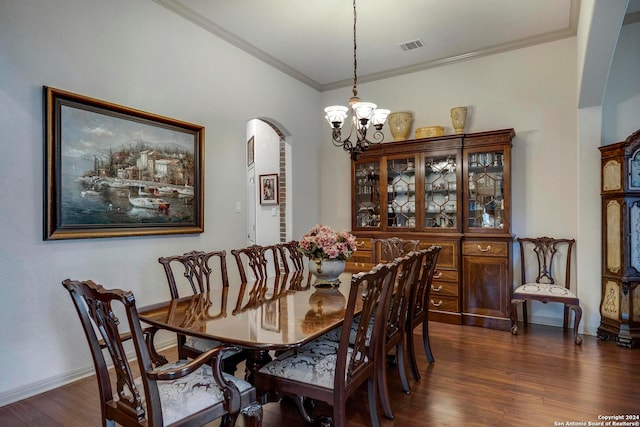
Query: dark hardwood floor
{"points": [[481, 377]]}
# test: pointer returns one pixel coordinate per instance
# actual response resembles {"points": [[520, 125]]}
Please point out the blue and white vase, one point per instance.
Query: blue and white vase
{"points": [[327, 271]]}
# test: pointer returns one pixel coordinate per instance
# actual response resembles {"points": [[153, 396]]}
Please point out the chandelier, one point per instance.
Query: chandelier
{"points": [[363, 114]]}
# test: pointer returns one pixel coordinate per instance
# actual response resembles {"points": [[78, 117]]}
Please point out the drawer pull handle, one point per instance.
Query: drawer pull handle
{"points": [[433, 303], [487, 249], [438, 275], [438, 289], [359, 244]]}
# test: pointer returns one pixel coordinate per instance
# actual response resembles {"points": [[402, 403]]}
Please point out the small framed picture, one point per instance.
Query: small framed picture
{"points": [[250, 151], [269, 189]]}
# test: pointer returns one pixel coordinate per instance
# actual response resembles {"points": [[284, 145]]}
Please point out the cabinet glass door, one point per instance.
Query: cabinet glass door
{"points": [[485, 189], [367, 194], [401, 192], [441, 207]]}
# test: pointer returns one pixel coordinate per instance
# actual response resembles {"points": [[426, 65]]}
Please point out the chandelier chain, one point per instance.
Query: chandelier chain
{"points": [[363, 114], [355, 47]]}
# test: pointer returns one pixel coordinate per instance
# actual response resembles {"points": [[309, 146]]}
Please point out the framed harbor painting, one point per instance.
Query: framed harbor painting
{"points": [[113, 171]]}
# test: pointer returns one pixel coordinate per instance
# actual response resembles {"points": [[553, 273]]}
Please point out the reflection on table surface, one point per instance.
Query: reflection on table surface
{"points": [[277, 313]]}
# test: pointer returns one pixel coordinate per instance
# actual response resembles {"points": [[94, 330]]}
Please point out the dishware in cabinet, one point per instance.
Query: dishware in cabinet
{"points": [[366, 195], [441, 177], [401, 192], [487, 198]]}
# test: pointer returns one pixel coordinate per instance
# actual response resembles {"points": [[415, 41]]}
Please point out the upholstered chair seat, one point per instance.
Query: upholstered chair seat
{"points": [[314, 363], [542, 289], [183, 397]]}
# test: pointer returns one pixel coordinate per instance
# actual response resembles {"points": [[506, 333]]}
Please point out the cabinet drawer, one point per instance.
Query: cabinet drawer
{"points": [[364, 252], [361, 256], [364, 244], [445, 276], [443, 288], [449, 254], [485, 248], [443, 303]]}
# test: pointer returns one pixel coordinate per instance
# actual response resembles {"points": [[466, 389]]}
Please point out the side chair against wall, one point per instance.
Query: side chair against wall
{"points": [[552, 258], [331, 372], [419, 308], [193, 274], [206, 393], [388, 249], [408, 273]]}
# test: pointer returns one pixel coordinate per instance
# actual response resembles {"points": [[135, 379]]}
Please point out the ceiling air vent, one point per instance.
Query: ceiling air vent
{"points": [[413, 44]]}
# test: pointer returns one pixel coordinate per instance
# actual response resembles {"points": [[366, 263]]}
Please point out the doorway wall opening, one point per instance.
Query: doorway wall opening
{"points": [[268, 154]]}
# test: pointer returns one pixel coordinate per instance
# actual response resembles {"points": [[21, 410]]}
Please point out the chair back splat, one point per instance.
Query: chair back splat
{"points": [[197, 270], [292, 258], [149, 400], [258, 262], [548, 254], [387, 250]]}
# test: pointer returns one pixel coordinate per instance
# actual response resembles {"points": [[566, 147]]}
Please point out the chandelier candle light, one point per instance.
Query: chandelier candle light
{"points": [[363, 114]]}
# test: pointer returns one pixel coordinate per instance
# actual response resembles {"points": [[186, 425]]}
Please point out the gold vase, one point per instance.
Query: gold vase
{"points": [[400, 125], [459, 118]]}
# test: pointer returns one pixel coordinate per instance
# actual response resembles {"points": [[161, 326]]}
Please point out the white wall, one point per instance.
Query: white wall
{"points": [[621, 106], [149, 59], [532, 90]]}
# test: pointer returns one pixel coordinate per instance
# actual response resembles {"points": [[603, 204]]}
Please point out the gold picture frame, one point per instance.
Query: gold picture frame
{"points": [[113, 171]]}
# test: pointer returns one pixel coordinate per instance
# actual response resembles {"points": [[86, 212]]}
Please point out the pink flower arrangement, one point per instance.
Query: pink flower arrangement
{"points": [[322, 242]]}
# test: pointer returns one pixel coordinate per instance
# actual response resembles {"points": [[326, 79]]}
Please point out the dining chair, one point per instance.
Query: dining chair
{"points": [[408, 271], [194, 273], [182, 393], [419, 308], [388, 249], [546, 255], [292, 258], [324, 370], [274, 264], [258, 262]]}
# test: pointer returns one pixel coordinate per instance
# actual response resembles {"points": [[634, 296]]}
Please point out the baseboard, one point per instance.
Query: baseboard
{"points": [[38, 387], [554, 321]]}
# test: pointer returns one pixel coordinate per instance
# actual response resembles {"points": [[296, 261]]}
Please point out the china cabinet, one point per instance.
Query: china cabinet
{"points": [[620, 298], [453, 191]]}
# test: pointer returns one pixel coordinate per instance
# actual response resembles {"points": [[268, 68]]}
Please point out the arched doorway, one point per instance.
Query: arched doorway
{"points": [[268, 154]]}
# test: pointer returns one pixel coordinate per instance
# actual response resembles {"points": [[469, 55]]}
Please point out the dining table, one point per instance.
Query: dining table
{"points": [[275, 314]]}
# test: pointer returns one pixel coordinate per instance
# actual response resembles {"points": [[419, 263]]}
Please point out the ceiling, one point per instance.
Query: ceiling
{"points": [[313, 41]]}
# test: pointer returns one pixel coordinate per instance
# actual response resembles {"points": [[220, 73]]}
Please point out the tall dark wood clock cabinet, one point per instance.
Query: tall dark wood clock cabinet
{"points": [[620, 299]]}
